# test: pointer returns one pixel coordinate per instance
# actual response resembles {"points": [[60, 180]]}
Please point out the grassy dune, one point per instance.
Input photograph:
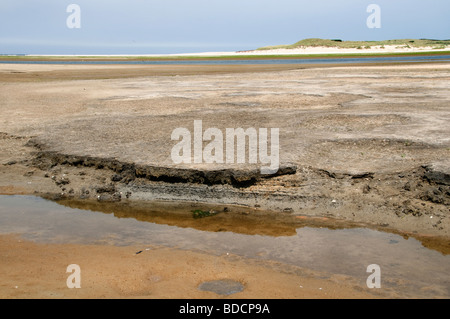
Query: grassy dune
{"points": [[336, 43]]}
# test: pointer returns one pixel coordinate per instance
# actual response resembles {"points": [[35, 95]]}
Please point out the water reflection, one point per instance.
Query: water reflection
{"points": [[225, 218], [323, 245]]}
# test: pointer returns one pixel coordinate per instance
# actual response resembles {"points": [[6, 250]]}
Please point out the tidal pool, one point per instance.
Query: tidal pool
{"points": [[407, 267]]}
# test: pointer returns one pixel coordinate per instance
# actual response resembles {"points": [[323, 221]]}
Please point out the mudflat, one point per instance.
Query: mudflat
{"points": [[363, 144]]}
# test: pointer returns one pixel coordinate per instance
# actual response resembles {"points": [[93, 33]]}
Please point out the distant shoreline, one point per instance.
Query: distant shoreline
{"points": [[305, 53], [304, 49]]}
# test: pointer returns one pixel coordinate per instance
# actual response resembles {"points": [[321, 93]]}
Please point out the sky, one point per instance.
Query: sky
{"points": [[186, 26]]}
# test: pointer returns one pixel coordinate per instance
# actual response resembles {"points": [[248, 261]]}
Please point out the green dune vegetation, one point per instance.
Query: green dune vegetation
{"points": [[337, 43]]}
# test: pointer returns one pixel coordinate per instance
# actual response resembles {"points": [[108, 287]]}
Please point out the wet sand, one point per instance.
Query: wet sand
{"points": [[370, 144], [39, 271], [33, 72]]}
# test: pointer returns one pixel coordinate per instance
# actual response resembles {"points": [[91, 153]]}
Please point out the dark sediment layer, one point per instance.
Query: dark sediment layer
{"points": [[129, 171]]}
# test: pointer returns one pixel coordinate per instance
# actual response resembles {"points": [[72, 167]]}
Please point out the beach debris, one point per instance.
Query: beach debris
{"points": [[116, 197], [62, 181], [198, 213]]}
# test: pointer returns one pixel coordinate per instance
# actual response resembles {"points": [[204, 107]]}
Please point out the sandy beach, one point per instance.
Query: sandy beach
{"points": [[363, 144], [386, 49], [306, 51]]}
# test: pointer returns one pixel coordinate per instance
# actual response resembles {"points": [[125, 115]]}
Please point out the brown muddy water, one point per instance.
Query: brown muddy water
{"points": [[408, 267]]}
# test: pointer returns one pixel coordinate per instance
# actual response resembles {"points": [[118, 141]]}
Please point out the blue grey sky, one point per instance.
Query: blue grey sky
{"points": [[184, 26]]}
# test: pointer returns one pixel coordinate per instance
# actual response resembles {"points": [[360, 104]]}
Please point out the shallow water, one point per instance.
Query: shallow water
{"points": [[338, 60], [408, 269]]}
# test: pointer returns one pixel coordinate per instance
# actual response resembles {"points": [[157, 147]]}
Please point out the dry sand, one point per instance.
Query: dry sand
{"points": [[387, 49], [370, 143], [316, 50]]}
